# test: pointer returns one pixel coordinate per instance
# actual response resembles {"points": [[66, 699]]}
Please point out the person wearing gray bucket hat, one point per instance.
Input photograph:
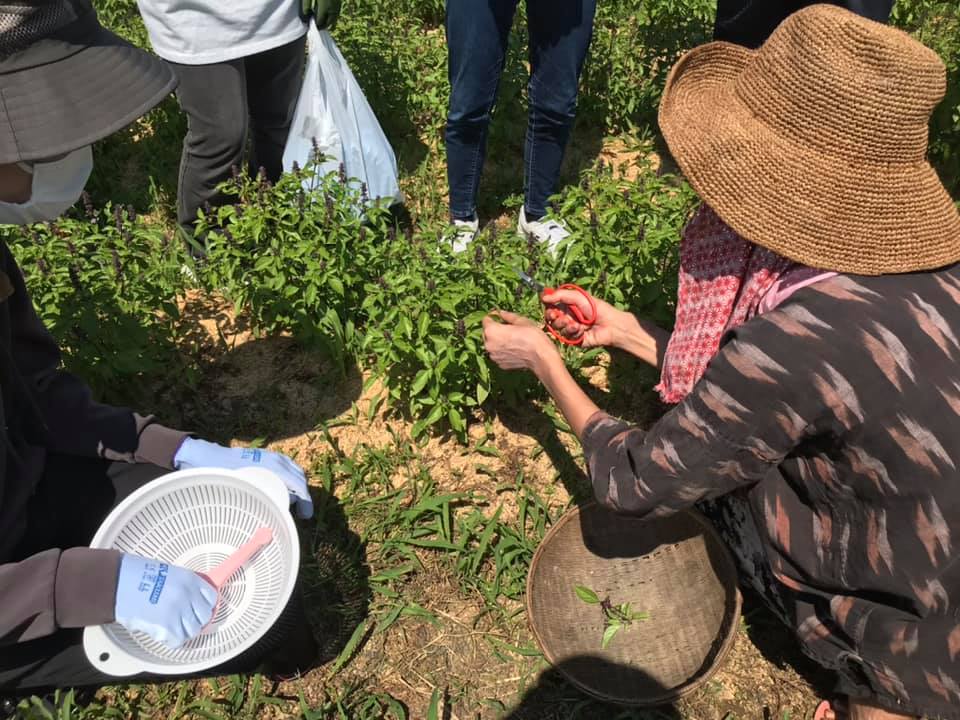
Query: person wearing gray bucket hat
{"points": [[66, 460], [76, 85], [815, 360]]}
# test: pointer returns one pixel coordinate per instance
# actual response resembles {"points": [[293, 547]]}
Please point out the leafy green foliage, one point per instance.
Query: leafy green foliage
{"points": [[395, 300], [410, 526], [586, 594], [639, 42], [436, 705], [304, 261], [295, 260], [624, 245], [936, 23], [107, 284], [615, 617], [353, 703], [424, 313]]}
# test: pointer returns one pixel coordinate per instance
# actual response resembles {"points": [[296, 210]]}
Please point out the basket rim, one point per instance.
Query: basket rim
{"points": [[731, 622], [265, 484]]}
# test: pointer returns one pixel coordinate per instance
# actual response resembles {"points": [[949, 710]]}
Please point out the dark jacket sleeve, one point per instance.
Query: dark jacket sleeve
{"points": [[55, 589], [74, 587], [75, 423], [742, 419]]}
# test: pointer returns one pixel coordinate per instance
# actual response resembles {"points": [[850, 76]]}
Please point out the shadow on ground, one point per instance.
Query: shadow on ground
{"points": [[555, 698], [627, 394], [779, 645], [334, 575], [529, 420], [266, 390], [249, 388]]}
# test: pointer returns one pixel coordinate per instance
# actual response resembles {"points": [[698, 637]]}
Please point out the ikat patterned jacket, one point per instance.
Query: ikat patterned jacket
{"points": [[837, 415]]}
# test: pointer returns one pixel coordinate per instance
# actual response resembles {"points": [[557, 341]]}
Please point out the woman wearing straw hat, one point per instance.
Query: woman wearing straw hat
{"points": [[814, 361], [66, 460]]}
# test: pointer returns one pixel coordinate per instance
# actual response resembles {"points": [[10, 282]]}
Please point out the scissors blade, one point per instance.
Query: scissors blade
{"points": [[530, 282]]}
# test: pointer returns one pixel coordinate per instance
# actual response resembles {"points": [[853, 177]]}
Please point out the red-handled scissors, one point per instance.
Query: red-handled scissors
{"points": [[587, 321]]}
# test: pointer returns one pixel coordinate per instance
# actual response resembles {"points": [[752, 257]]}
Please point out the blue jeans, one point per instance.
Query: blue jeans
{"points": [[477, 34]]}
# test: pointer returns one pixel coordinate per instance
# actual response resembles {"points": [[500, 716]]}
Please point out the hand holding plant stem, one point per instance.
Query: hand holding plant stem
{"points": [[615, 617], [519, 343], [515, 342]]}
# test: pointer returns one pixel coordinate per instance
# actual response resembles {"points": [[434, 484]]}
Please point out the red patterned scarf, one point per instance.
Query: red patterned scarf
{"points": [[723, 278]]}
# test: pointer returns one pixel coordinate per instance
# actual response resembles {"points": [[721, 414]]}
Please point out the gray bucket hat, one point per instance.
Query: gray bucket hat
{"points": [[66, 81]]}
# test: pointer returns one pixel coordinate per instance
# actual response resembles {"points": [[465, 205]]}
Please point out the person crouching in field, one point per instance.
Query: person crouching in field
{"points": [[67, 460], [815, 360]]}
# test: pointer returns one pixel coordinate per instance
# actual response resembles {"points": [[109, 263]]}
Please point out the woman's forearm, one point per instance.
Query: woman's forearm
{"points": [[570, 398], [642, 339]]}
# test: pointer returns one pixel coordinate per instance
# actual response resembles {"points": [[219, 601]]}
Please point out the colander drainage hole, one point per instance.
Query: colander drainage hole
{"points": [[104, 657]]}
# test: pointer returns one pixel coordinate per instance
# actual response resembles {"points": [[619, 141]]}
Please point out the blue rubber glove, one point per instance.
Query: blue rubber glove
{"points": [[200, 453], [167, 602]]}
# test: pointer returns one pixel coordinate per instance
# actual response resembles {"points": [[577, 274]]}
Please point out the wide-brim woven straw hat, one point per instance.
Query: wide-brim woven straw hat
{"points": [[67, 81], [815, 145]]}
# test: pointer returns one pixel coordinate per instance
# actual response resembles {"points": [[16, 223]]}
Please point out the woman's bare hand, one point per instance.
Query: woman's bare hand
{"points": [[603, 333], [613, 328], [515, 342]]}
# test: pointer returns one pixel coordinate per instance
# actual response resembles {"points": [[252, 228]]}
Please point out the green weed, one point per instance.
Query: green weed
{"points": [[107, 284]]}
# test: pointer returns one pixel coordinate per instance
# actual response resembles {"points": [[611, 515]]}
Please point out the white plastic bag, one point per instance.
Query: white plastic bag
{"points": [[333, 112]]}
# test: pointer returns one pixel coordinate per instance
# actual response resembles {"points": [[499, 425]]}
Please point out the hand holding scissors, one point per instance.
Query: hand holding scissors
{"points": [[586, 318]]}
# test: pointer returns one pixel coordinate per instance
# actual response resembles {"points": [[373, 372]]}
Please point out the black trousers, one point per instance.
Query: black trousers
{"points": [[223, 103], [750, 22], [74, 497]]}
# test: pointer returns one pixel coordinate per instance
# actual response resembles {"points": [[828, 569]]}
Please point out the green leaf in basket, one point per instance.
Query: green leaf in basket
{"points": [[586, 594], [609, 633]]}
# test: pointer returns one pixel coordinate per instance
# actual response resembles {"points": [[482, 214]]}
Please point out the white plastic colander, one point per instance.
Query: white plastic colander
{"points": [[196, 518]]}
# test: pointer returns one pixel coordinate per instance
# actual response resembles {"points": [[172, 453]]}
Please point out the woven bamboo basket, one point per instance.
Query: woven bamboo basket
{"points": [[676, 569]]}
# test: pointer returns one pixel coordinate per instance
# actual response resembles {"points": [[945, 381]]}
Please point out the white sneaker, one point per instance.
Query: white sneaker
{"points": [[464, 233], [545, 230]]}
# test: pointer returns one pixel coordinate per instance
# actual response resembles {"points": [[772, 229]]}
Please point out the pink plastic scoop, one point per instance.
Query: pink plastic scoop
{"points": [[219, 576]]}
